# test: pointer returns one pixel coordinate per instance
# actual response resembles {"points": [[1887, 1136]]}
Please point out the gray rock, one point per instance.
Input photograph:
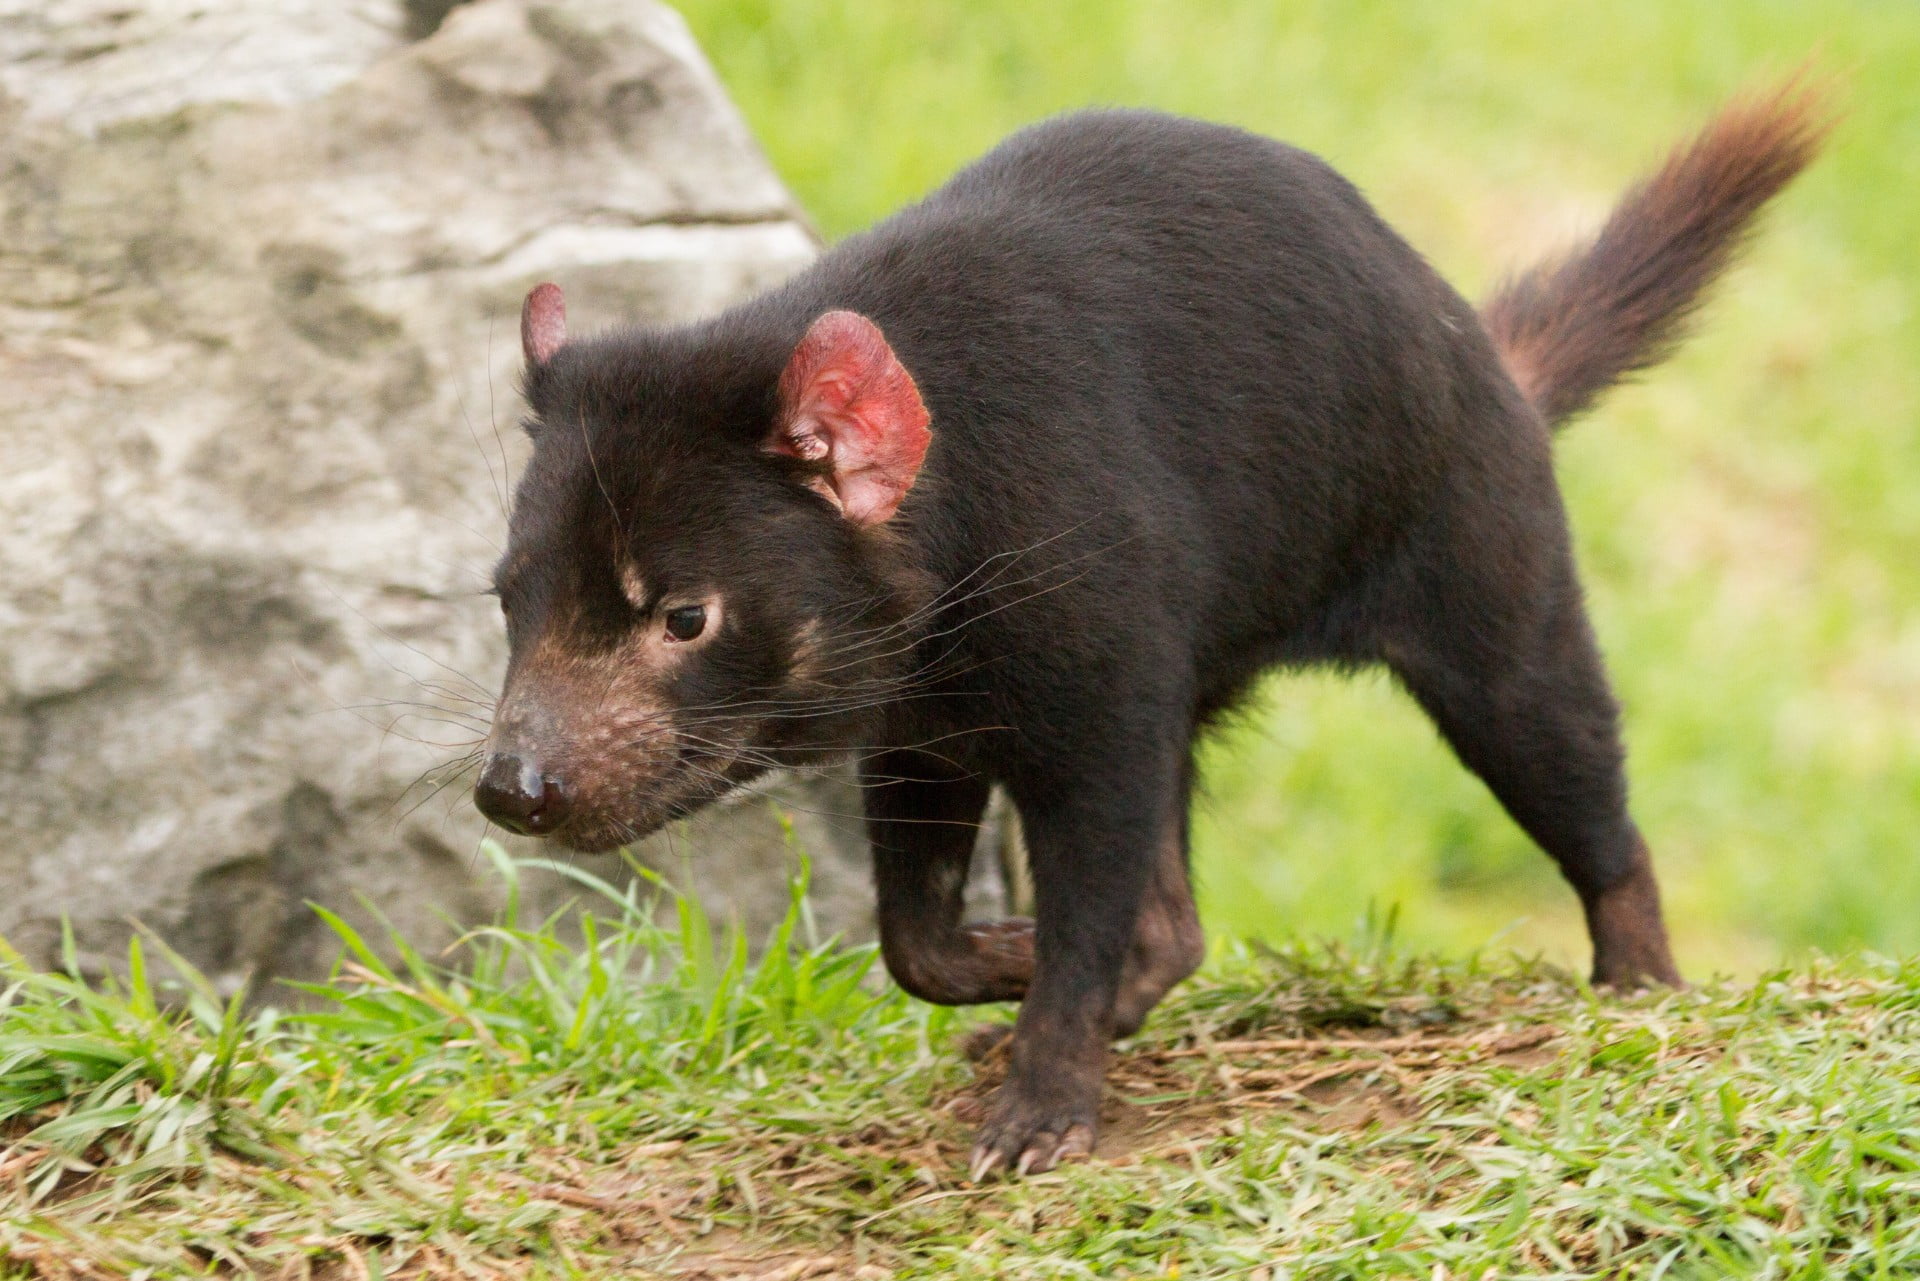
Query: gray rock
{"points": [[259, 281]]}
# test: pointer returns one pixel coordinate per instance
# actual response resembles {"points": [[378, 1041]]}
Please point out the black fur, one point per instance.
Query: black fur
{"points": [[1196, 411]]}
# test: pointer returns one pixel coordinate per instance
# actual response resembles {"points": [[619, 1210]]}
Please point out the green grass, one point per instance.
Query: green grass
{"points": [[643, 1101], [1748, 517]]}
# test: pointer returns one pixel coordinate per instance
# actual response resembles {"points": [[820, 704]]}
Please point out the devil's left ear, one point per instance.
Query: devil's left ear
{"points": [[846, 399], [543, 323]]}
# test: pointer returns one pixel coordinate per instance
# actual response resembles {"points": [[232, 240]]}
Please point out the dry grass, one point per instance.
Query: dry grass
{"points": [[652, 1105]]}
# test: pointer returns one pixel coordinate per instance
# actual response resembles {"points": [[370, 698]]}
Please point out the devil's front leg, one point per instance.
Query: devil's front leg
{"points": [[1168, 943], [923, 818], [1094, 835]]}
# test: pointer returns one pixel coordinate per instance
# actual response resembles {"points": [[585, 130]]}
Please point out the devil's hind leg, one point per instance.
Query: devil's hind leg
{"points": [[1515, 683]]}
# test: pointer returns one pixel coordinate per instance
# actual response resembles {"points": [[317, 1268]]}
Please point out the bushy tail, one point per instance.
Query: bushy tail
{"points": [[1570, 328]]}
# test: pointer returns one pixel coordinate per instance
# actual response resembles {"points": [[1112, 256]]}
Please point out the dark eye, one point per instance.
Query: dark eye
{"points": [[686, 622]]}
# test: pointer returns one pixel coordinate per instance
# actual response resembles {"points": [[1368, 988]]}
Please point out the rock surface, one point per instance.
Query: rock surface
{"points": [[259, 282]]}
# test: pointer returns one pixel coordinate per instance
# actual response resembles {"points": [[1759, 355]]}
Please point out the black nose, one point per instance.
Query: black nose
{"points": [[515, 794]]}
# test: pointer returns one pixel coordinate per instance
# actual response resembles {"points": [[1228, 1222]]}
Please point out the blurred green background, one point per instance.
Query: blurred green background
{"points": [[1748, 517]]}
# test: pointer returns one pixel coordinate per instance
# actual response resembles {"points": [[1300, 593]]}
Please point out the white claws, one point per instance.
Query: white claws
{"points": [[985, 1161], [1044, 1151]]}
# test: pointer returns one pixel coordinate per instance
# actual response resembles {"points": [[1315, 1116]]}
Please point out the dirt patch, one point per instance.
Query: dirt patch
{"points": [[1161, 1100]]}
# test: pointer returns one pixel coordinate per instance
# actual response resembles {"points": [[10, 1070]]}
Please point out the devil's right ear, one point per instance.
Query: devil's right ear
{"points": [[848, 403], [543, 323]]}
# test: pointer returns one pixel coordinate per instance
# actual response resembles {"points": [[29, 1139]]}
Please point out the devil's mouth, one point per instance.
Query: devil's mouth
{"points": [[602, 836], [601, 833]]}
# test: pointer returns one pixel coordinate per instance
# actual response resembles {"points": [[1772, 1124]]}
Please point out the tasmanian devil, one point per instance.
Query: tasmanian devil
{"points": [[1028, 483]]}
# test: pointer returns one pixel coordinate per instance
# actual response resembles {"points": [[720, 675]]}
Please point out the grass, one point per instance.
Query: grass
{"points": [[633, 1097], [1747, 516]]}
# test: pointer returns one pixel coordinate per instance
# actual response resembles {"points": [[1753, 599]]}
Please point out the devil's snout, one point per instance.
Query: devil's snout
{"points": [[515, 793]]}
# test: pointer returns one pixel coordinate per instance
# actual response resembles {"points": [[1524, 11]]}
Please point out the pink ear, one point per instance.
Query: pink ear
{"points": [[543, 323], [846, 398]]}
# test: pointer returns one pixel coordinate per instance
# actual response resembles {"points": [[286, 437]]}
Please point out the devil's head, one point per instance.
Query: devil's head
{"points": [[700, 583]]}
